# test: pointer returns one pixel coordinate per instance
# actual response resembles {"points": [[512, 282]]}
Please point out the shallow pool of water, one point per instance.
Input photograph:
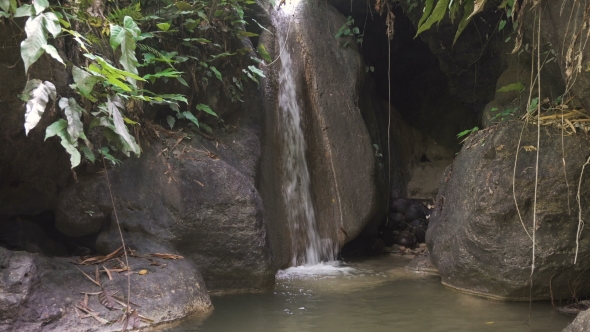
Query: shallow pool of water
{"points": [[372, 295]]}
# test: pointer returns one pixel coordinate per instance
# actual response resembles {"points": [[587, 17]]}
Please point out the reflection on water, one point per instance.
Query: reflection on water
{"points": [[375, 295]]}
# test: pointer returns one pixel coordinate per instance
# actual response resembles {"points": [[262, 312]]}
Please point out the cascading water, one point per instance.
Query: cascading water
{"points": [[307, 245]]}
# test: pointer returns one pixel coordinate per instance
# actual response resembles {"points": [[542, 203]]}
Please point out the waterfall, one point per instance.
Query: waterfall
{"points": [[307, 245]]}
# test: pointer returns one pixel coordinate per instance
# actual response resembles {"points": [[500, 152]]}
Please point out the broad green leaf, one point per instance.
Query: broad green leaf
{"points": [[437, 15], [512, 87], [467, 10], [5, 5], [163, 26], [38, 94], [183, 6], [73, 112], [250, 76], [53, 52], [206, 127], [170, 119], [52, 25], [125, 36], [32, 47], [206, 109], [263, 53], [55, 128], [4, 14], [88, 154], [120, 127], [501, 25], [256, 71], [40, 5], [70, 147], [182, 81], [84, 81], [217, 73], [191, 117], [24, 10], [427, 10]]}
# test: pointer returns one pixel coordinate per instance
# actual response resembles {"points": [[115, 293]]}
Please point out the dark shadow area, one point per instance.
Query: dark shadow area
{"points": [[416, 86], [38, 234]]}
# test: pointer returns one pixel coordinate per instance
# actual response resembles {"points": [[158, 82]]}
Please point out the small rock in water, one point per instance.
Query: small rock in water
{"points": [[400, 205], [397, 221], [414, 212], [405, 238]]}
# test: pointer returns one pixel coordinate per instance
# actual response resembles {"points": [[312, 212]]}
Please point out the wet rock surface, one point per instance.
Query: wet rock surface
{"points": [[475, 236], [40, 293]]}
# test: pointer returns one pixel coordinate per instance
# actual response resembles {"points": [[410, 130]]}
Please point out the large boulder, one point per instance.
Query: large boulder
{"points": [[476, 238], [40, 293], [194, 197], [580, 324]]}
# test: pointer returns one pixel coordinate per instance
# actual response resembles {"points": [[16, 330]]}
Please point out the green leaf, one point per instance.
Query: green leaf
{"points": [[199, 40], [247, 33], [70, 147], [24, 10], [38, 94], [427, 10], [250, 76], [40, 5], [53, 52], [468, 131], [467, 10], [51, 22], [32, 47], [168, 72], [113, 104], [437, 15], [88, 154], [55, 128], [263, 53], [502, 24], [206, 127], [163, 26], [512, 87], [5, 5], [256, 71], [217, 73], [171, 120], [126, 37], [85, 82], [206, 109], [191, 117], [4, 14], [183, 6], [182, 81], [73, 112]]}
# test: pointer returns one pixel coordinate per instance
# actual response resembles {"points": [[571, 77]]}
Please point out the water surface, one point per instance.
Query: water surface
{"points": [[374, 295]]}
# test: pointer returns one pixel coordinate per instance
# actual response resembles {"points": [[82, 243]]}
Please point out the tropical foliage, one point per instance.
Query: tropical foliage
{"points": [[122, 51]]}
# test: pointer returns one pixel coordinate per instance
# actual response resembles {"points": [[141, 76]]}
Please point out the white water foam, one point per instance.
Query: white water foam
{"points": [[324, 269]]}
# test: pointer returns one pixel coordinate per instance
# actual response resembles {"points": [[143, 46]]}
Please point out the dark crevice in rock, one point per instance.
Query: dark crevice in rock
{"points": [[38, 234]]}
